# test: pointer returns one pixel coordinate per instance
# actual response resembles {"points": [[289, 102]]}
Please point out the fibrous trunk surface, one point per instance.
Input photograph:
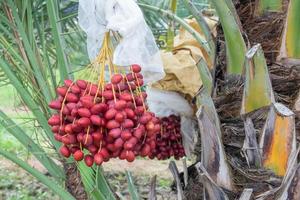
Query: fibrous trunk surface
{"points": [[73, 181], [267, 31]]}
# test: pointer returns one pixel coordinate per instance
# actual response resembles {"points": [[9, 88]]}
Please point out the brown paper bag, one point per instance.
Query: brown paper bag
{"points": [[181, 74], [180, 67]]}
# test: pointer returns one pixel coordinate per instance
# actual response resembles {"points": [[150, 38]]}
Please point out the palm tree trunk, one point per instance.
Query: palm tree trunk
{"points": [[267, 31], [73, 181]]}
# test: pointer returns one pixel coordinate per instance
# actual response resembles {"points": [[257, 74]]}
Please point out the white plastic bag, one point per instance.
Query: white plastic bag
{"points": [[91, 18], [137, 45], [166, 103]]}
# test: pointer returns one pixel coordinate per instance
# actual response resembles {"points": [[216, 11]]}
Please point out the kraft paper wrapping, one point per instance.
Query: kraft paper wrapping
{"points": [[180, 67]]}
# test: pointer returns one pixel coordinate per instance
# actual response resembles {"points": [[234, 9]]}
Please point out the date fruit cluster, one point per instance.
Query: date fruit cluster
{"points": [[97, 122], [169, 141]]}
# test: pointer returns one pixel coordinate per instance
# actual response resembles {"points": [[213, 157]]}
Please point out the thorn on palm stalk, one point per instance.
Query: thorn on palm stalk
{"points": [[278, 140], [250, 147], [258, 92], [213, 155], [211, 188]]}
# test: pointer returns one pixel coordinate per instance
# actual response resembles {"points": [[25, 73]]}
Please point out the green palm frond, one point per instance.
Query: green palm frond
{"points": [[39, 176], [35, 58]]}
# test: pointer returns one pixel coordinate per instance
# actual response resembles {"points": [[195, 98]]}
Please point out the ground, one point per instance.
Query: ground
{"points": [[16, 184]]}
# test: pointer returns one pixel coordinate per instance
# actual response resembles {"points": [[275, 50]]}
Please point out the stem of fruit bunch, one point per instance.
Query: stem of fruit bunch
{"points": [[145, 136], [110, 55], [87, 134], [115, 72], [80, 146], [131, 91], [100, 145], [178, 141], [100, 77], [63, 104], [102, 58], [139, 90], [119, 88], [85, 91], [105, 55], [88, 89], [100, 82], [113, 88]]}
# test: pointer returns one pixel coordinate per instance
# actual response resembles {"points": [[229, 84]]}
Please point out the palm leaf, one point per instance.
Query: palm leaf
{"points": [[29, 51], [27, 98], [201, 22], [200, 39], [235, 45], [35, 64], [31, 146], [39, 176], [102, 183], [132, 188], [95, 183], [62, 62]]}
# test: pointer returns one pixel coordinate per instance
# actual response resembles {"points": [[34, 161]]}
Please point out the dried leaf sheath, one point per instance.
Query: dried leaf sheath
{"points": [[289, 188], [292, 190], [250, 146], [213, 155], [278, 139], [258, 90], [212, 190]]}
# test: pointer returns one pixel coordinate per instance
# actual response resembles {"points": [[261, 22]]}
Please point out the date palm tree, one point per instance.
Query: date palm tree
{"points": [[256, 67]]}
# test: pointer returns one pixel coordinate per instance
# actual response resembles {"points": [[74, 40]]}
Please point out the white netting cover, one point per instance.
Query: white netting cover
{"points": [[166, 103], [137, 45]]}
